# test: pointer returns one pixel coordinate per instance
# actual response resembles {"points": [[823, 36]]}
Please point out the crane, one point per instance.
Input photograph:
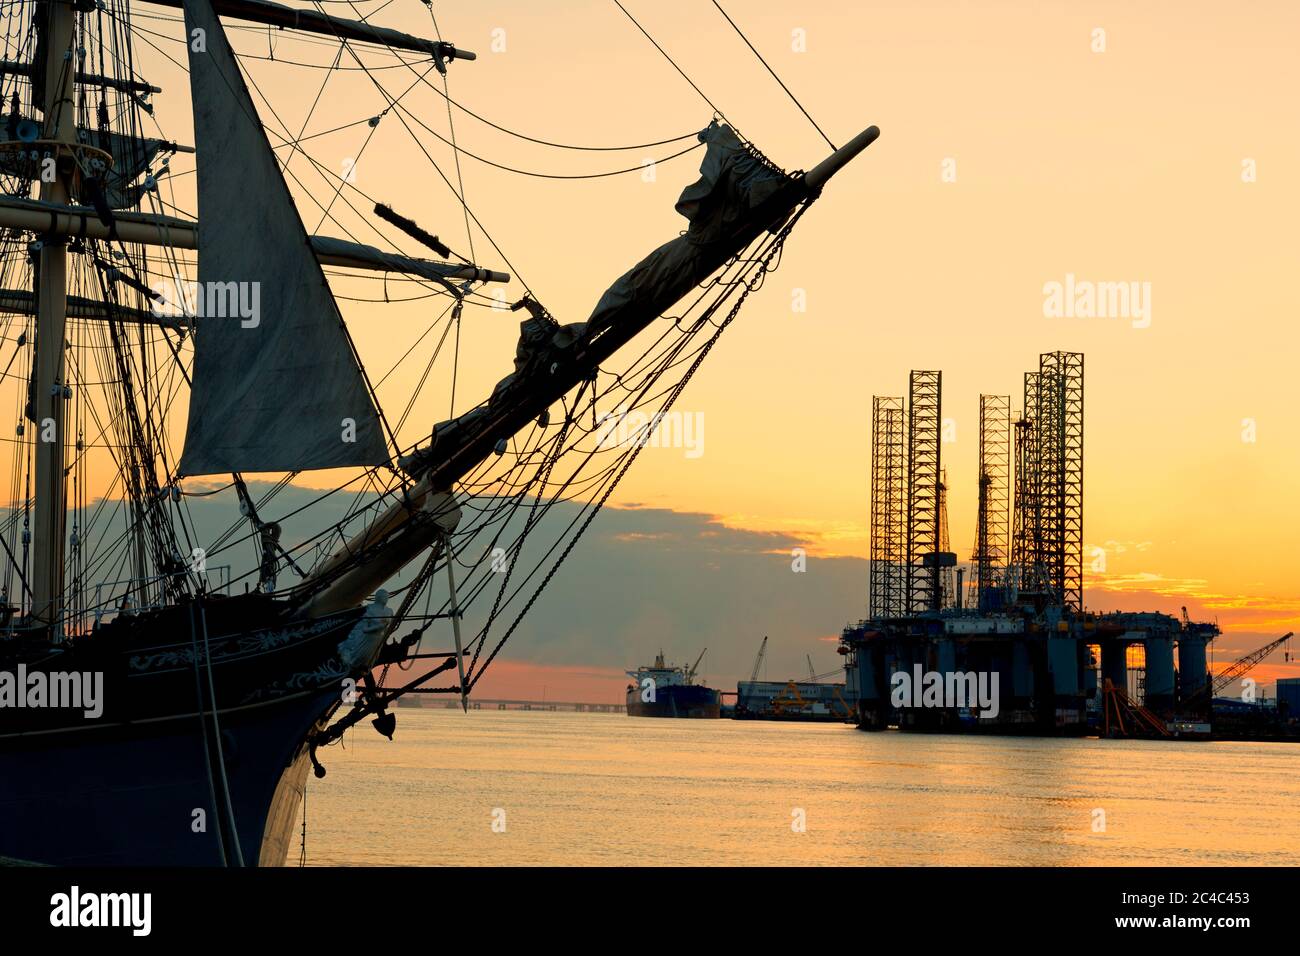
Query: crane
{"points": [[758, 661], [1245, 665], [690, 674], [1240, 668], [812, 671]]}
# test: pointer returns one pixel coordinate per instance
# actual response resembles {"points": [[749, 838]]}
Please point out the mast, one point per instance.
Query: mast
{"points": [[48, 402]]}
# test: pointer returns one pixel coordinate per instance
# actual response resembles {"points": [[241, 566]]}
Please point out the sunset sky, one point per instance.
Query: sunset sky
{"points": [[1128, 164]]}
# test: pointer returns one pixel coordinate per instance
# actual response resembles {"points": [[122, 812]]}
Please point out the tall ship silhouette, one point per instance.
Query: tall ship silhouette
{"points": [[178, 323]]}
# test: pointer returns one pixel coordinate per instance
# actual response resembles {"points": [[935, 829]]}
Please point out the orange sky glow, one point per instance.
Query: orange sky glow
{"points": [[1012, 154]]}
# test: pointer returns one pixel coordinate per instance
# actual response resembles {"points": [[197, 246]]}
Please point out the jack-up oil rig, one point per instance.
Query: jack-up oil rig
{"points": [[1018, 624]]}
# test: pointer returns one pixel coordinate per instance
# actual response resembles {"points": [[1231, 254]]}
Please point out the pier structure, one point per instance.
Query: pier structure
{"points": [[483, 703]]}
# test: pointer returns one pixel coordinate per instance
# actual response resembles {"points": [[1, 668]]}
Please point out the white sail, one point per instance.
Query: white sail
{"points": [[276, 384]]}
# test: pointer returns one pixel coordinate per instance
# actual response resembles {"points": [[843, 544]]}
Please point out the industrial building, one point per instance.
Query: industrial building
{"points": [[1288, 698], [1013, 616], [814, 699], [793, 700]]}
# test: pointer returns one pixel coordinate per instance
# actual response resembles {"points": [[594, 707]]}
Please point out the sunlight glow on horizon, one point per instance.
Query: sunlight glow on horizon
{"points": [[1123, 165]]}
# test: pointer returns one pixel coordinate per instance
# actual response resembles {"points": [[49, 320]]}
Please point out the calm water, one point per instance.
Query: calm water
{"points": [[610, 789]]}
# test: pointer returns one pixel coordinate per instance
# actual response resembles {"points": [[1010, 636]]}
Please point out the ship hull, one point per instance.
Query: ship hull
{"points": [[143, 795], [687, 701], [201, 753]]}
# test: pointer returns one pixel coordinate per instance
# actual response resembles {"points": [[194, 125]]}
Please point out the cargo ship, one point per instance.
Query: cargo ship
{"points": [[670, 691]]}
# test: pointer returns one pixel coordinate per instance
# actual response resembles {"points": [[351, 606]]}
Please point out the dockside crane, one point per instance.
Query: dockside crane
{"points": [[1245, 665], [815, 678], [758, 661], [1241, 667], [690, 674]]}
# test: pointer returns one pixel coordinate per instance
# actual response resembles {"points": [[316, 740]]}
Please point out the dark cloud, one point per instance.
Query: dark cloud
{"points": [[649, 578], [640, 579]]}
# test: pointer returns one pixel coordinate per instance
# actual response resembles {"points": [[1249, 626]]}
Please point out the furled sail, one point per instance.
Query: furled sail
{"points": [[734, 187], [276, 385], [738, 195]]}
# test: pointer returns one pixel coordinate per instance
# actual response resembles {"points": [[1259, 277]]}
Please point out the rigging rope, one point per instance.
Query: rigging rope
{"points": [[443, 176], [553, 145], [460, 181], [640, 167], [750, 285], [407, 64], [674, 64], [773, 72]]}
